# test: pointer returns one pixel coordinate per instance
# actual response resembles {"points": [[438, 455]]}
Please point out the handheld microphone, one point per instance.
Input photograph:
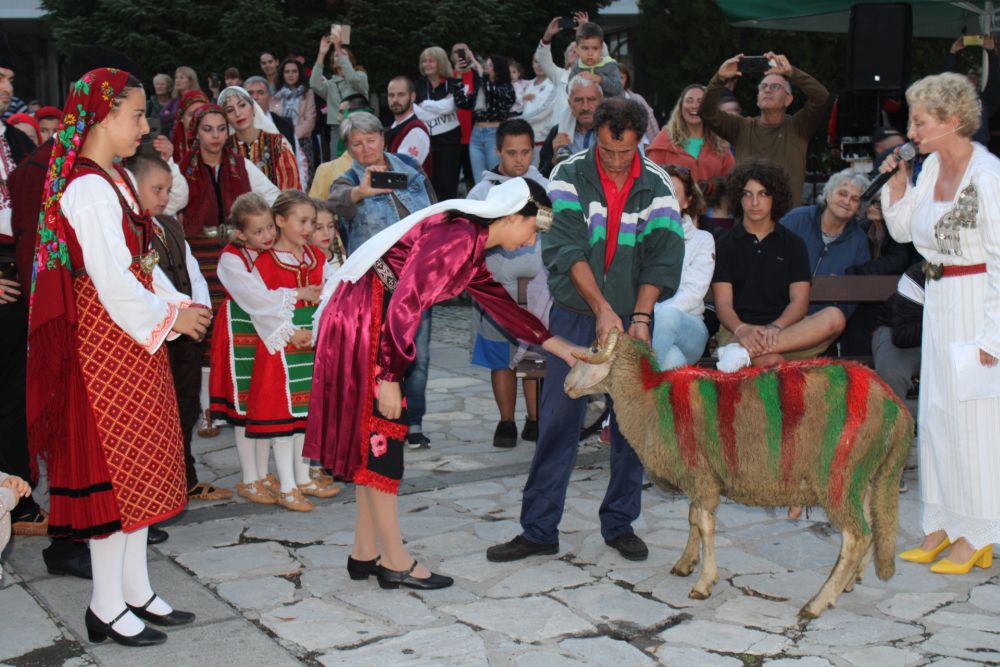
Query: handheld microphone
{"points": [[906, 153]]}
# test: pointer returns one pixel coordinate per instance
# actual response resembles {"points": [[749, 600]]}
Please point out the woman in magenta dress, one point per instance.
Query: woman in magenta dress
{"points": [[364, 343]]}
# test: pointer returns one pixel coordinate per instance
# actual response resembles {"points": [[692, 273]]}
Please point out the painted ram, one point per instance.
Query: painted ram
{"points": [[802, 433]]}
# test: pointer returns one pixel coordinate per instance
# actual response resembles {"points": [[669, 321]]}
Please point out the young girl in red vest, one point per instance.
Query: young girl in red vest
{"points": [[249, 307], [282, 369], [101, 404]]}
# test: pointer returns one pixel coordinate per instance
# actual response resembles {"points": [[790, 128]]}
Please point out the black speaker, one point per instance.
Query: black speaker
{"points": [[879, 46]]}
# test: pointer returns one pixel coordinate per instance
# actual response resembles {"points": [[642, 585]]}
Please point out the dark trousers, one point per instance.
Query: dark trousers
{"points": [[185, 364], [559, 422], [447, 163], [14, 458], [415, 382]]}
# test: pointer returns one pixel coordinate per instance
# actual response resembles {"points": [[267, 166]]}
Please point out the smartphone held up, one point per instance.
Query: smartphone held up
{"points": [[340, 32], [755, 64]]}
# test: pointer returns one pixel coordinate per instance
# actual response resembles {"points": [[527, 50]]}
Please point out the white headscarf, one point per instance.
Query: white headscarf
{"points": [[261, 121], [504, 199]]}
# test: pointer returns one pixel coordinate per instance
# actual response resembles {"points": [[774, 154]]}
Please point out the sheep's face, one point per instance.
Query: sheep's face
{"points": [[590, 374], [584, 379]]}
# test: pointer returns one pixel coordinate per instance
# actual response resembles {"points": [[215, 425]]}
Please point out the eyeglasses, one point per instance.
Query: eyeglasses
{"points": [[773, 87]]}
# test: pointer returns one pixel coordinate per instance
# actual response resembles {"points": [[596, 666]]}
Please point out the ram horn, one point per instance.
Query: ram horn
{"points": [[599, 355]]}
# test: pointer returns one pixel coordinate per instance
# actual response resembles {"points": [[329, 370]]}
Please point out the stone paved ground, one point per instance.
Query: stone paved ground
{"points": [[270, 588]]}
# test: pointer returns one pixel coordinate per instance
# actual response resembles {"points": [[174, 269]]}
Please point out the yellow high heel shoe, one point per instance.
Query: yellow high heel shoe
{"points": [[982, 558], [918, 555]]}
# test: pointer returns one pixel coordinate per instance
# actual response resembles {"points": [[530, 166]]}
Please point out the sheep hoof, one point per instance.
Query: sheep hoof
{"points": [[808, 613], [679, 571], [695, 594], [849, 587]]}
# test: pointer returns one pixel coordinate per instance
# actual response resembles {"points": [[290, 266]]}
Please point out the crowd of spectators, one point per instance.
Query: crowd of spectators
{"points": [[469, 122]]}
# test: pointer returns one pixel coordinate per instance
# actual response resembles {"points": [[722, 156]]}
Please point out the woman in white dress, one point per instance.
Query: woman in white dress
{"points": [[952, 216]]}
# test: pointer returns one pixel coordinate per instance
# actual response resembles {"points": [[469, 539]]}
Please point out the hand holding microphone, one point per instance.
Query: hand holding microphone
{"points": [[890, 172]]}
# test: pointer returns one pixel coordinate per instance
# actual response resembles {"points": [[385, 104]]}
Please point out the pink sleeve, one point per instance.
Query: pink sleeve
{"points": [[496, 301], [440, 257]]}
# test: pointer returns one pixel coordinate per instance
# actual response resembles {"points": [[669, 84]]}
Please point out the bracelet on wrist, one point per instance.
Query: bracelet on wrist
{"points": [[736, 331], [775, 325], [641, 314], [646, 322]]}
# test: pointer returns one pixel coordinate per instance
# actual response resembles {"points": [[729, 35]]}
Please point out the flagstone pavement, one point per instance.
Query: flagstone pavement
{"points": [[270, 588]]}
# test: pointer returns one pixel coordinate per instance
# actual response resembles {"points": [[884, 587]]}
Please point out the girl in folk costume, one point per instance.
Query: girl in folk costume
{"points": [[216, 175], [367, 322], [181, 134], [327, 236], [282, 367], [101, 404], [248, 304], [256, 138]]}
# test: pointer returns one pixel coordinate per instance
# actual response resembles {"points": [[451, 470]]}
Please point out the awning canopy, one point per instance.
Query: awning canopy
{"points": [[931, 18]]}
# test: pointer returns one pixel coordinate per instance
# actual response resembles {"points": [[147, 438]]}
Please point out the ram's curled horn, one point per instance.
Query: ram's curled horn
{"points": [[599, 355]]}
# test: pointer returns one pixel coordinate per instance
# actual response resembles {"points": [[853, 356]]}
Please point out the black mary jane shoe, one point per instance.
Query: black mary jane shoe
{"points": [[156, 535], [394, 578], [173, 618], [362, 569], [98, 631]]}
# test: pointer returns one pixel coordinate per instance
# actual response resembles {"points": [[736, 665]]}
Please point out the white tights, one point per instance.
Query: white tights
{"points": [[253, 455], [121, 577], [292, 468]]}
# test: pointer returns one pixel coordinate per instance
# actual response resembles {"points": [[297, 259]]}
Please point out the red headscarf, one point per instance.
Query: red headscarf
{"points": [[52, 319], [202, 209], [30, 120], [180, 136]]}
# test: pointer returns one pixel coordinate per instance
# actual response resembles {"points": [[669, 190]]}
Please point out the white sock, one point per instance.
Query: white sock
{"points": [[246, 449], [732, 358], [284, 453], [135, 579], [301, 464], [263, 454], [107, 599]]}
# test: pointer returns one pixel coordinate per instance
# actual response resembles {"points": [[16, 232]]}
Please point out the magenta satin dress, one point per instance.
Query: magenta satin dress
{"points": [[435, 261]]}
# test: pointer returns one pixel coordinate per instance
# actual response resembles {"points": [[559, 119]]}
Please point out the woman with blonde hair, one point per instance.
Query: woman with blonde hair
{"points": [[952, 216], [435, 106], [686, 142]]}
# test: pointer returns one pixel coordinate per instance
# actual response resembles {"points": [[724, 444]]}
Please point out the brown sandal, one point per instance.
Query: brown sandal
{"points": [[256, 492], [207, 427], [36, 526], [314, 488], [206, 491], [295, 501]]}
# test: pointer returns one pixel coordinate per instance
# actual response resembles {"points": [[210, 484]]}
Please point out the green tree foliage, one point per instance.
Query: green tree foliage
{"points": [[387, 35]]}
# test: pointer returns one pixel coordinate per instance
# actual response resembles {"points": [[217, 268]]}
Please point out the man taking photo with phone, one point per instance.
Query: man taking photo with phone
{"points": [[774, 134]]}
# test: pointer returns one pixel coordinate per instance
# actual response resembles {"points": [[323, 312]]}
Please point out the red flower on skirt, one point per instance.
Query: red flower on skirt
{"points": [[379, 444]]}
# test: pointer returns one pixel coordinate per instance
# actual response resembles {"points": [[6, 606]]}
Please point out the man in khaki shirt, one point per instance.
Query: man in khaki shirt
{"points": [[774, 134]]}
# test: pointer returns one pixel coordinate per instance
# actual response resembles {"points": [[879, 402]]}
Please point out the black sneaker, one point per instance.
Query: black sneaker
{"points": [[630, 546], [506, 435], [418, 441], [518, 548], [530, 431]]}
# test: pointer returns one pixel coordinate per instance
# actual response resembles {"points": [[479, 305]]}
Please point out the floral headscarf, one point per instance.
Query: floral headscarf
{"points": [[52, 318]]}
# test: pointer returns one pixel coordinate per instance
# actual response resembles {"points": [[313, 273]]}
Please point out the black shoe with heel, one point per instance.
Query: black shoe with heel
{"points": [[362, 569], [173, 618], [505, 435], [394, 578], [530, 431], [98, 631]]}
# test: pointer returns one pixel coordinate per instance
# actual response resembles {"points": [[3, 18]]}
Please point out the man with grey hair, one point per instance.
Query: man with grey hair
{"points": [[260, 90], [585, 96], [366, 210], [774, 134]]}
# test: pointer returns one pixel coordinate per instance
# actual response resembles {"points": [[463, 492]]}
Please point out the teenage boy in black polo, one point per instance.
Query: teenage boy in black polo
{"points": [[761, 282]]}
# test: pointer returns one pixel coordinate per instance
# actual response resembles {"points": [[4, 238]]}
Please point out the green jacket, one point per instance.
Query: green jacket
{"points": [[650, 239]]}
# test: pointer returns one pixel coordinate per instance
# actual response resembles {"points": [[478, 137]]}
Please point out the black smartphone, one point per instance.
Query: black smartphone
{"points": [[754, 64], [463, 55], [568, 23], [8, 270], [390, 180]]}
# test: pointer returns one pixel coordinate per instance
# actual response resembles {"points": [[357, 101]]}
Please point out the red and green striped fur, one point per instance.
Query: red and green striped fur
{"points": [[802, 433]]}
